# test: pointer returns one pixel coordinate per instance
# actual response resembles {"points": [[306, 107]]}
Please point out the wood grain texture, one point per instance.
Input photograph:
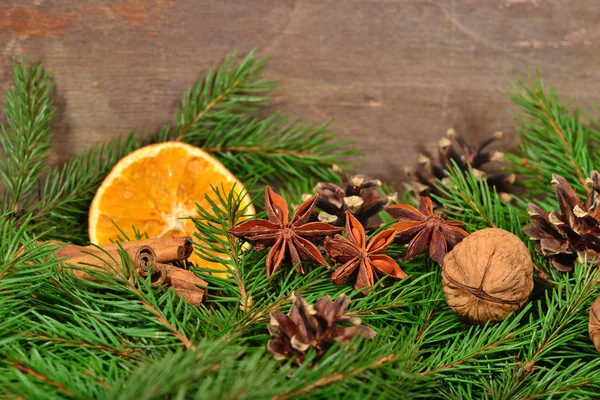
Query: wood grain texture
{"points": [[394, 73]]}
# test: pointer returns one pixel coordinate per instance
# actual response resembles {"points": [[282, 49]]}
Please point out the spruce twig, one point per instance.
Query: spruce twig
{"points": [[328, 380], [228, 89], [26, 137], [541, 118], [41, 377]]}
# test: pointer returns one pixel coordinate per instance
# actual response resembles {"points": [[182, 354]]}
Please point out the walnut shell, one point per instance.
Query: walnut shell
{"points": [[487, 276], [594, 325]]}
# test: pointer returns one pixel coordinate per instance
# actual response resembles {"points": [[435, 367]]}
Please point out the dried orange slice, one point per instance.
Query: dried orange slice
{"points": [[154, 189]]}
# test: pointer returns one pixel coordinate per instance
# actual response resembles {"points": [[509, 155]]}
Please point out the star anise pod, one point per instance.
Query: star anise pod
{"points": [[423, 179], [354, 253], [572, 233], [291, 239], [357, 195], [421, 228], [316, 326]]}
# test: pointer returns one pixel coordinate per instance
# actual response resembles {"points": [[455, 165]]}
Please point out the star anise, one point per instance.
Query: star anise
{"points": [[316, 326], [354, 253], [422, 227], [574, 232], [357, 194], [289, 239]]}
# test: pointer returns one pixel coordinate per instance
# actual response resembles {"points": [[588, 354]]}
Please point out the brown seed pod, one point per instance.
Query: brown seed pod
{"points": [[487, 276], [594, 325]]}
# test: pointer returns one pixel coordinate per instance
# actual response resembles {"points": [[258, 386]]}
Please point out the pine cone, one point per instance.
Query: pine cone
{"points": [[422, 180], [574, 232], [357, 195], [313, 326]]}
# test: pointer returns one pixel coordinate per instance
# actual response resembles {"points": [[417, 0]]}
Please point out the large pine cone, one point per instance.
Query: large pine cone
{"points": [[572, 234]]}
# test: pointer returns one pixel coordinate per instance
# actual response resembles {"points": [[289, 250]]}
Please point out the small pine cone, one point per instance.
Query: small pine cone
{"points": [[357, 195], [573, 232], [316, 326], [422, 180]]}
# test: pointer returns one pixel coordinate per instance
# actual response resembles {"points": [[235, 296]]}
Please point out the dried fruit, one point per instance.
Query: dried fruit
{"points": [[316, 326], [594, 325], [422, 227], [487, 276], [288, 238], [354, 253], [574, 232], [422, 180], [357, 195], [155, 190]]}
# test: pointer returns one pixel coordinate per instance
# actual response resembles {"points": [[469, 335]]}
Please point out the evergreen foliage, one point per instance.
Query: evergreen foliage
{"points": [[554, 138], [62, 337], [25, 137]]}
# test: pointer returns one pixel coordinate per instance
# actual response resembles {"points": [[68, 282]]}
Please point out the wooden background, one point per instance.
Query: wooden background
{"points": [[394, 73]]}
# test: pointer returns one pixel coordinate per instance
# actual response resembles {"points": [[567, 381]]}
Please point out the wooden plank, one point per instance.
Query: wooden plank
{"points": [[394, 73]]}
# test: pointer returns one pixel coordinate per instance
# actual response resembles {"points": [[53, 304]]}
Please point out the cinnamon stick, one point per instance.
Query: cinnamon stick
{"points": [[195, 298], [146, 256], [143, 258], [168, 249], [185, 283]]}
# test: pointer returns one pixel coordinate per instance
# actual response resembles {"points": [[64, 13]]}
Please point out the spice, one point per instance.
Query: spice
{"points": [[167, 249], [87, 264], [186, 284], [487, 276], [291, 239], [354, 254], [573, 232], [421, 228], [316, 326], [90, 262]]}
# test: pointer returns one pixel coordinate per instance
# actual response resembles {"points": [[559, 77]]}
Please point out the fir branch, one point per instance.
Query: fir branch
{"points": [[213, 241], [576, 379], [126, 353], [41, 377], [26, 137], [160, 318], [469, 356], [490, 343], [275, 148], [222, 93], [471, 201], [67, 191], [565, 316], [543, 119], [328, 380]]}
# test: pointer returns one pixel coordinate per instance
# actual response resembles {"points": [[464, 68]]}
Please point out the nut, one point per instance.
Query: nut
{"points": [[487, 276], [594, 325]]}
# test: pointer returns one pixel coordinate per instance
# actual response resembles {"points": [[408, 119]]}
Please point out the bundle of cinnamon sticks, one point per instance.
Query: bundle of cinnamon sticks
{"points": [[149, 256]]}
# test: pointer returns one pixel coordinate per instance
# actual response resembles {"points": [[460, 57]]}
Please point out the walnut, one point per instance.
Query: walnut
{"points": [[594, 325], [487, 276]]}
